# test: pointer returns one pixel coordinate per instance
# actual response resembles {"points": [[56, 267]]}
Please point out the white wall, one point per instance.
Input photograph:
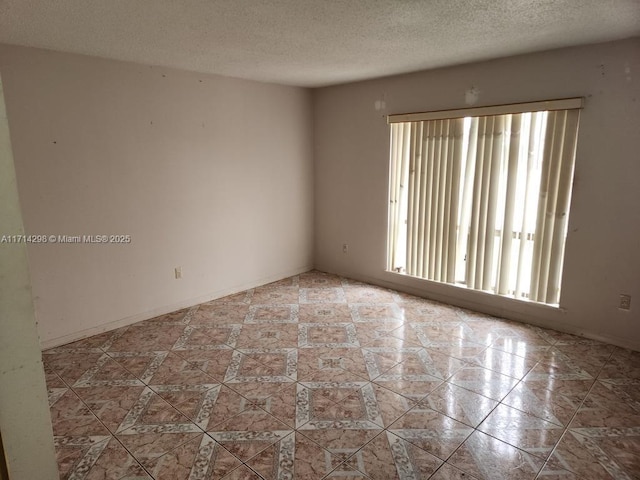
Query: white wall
{"points": [[209, 173], [603, 246], [25, 423]]}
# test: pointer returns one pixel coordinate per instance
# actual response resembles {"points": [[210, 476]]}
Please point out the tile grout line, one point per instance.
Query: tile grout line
{"points": [[566, 428]]}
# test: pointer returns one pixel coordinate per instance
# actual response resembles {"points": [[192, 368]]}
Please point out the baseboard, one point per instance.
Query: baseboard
{"points": [[123, 322], [522, 315]]}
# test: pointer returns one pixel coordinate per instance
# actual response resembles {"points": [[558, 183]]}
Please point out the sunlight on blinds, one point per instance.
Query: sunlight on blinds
{"points": [[483, 201]]}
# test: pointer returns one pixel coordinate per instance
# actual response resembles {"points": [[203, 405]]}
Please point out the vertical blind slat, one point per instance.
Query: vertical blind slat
{"points": [[561, 211], [474, 235], [509, 202], [464, 234], [394, 196], [492, 185], [455, 200], [421, 202], [411, 203], [463, 204]]}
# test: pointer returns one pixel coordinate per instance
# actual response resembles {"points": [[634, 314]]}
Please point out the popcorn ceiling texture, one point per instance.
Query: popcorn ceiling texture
{"points": [[312, 43]]}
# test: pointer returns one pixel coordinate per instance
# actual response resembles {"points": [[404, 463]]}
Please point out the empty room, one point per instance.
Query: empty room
{"points": [[309, 239]]}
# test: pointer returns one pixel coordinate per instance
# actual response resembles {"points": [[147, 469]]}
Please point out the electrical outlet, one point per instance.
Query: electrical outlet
{"points": [[625, 302], [178, 272], [345, 248]]}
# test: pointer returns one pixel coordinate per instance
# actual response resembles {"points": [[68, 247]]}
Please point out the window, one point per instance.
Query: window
{"points": [[480, 197]]}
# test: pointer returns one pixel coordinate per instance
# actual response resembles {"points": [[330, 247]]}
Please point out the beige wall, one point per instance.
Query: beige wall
{"points": [[25, 424], [603, 246], [209, 173]]}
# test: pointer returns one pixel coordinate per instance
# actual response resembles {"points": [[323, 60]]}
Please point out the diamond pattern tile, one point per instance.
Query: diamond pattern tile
{"points": [[318, 377]]}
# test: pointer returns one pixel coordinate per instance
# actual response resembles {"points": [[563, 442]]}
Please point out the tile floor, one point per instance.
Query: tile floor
{"points": [[318, 376]]}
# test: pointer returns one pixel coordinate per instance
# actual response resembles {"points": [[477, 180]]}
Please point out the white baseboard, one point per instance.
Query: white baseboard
{"points": [[529, 313], [138, 317]]}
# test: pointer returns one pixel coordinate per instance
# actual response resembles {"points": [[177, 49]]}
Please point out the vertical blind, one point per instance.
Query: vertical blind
{"points": [[481, 197]]}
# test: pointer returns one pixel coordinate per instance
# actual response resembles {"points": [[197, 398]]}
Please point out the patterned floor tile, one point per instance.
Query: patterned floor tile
{"points": [[331, 335], [147, 338], [423, 365], [408, 334], [242, 473], [524, 431], [296, 456], [110, 404], [391, 405], [141, 364], [196, 402], [96, 343], [175, 370], [448, 472], [379, 360], [319, 377], [152, 414], [277, 313], [623, 367], [271, 335], [463, 405], [276, 399], [483, 333], [550, 472], [72, 365], [488, 458], [249, 433], [587, 359], [201, 457], [599, 453], [376, 334], [324, 313], [389, 457], [71, 417], [483, 381], [557, 406], [377, 312], [340, 443], [228, 403], [367, 294], [52, 379], [337, 405], [455, 347], [322, 295], [270, 295], [277, 460], [95, 458], [219, 314], [413, 390], [422, 310], [609, 405], [244, 366], [207, 337], [317, 279], [331, 364], [152, 427], [107, 372], [431, 431], [435, 331], [505, 363], [211, 362], [521, 348]]}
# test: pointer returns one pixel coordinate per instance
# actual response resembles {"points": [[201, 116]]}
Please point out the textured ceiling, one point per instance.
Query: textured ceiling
{"points": [[312, 42]]}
